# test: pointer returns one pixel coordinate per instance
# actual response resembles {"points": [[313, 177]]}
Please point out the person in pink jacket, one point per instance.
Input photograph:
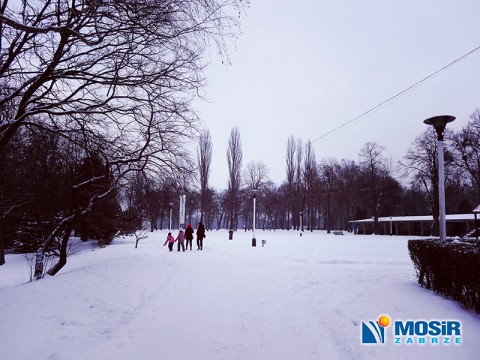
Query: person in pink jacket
{"points": [[170, 240], [180, 238]]}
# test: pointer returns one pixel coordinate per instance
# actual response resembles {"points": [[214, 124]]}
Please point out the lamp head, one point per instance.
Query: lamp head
{"points": [[439, 123]]}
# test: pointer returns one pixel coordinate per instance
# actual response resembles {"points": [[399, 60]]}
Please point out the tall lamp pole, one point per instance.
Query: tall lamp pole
{"points": [[254, 240], [439, 123]]}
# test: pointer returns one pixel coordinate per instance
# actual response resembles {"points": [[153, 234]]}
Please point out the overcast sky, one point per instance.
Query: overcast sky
{"points": [[305, 67]]}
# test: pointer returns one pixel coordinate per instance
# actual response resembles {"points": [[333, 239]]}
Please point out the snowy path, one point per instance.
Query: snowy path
{"points": [[300, 298]]}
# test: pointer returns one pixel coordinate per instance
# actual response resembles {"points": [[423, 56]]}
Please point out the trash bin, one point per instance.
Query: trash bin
{"points": [[254, 242], [230, 235]]}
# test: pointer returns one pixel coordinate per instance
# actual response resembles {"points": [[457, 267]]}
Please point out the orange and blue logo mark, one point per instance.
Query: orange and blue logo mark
{"points": [[411, 332], [373, 332]]}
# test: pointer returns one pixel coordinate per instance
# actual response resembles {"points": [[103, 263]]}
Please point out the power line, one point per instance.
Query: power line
{"points": [[389, 100]]}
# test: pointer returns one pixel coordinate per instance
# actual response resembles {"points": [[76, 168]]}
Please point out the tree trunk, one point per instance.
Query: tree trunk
{"points": [[63, 251], [219, 220], [39, 264], [329, 212], [2, 251], [39, 257]]}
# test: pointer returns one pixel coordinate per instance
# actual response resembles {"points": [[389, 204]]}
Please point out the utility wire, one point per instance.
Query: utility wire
{"points": [[389, 100]]}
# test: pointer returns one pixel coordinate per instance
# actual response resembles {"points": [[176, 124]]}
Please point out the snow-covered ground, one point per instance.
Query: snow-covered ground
{"points": [[296, 298]]}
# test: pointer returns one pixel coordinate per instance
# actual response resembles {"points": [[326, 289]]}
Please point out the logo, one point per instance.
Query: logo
{"points": [[373, 332], [428, 332], [410, 332]]}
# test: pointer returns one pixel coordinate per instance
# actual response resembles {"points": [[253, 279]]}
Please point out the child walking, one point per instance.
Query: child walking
{"points": [[170, 240], [180, 238]]}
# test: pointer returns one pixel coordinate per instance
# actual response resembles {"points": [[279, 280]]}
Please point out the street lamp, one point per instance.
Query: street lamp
{"points": [[170, 227], [254, 240], [439, 123]]}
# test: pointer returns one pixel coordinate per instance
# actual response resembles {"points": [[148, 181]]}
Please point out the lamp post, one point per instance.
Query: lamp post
{"points": [[439, 123], [254, 240], [170, 227]]}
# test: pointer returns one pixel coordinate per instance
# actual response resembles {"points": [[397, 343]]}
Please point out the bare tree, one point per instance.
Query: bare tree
{"points": [[467, 151], [234, 159], [347, 190], [139, 235], [328, 172], [299, 188], [204, 160], [255, 175], [374, 166], [310, 177], [290, 167], [107, 59], [220, 203], [421, 162]]}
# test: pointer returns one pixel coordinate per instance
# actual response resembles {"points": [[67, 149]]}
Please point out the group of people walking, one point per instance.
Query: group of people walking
{"points": [[188, 236]]}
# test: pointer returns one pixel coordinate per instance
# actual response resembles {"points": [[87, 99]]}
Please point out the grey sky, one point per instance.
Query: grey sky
{"points": [[305, 67]]}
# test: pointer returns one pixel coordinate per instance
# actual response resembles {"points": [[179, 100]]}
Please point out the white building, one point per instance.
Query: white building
{"points": [[457, 225]]}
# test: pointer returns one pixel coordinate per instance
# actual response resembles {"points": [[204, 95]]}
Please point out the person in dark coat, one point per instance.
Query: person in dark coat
{"points": [[189, 235], [200, 236]]}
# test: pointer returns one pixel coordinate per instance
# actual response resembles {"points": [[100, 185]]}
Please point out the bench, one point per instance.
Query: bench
{"points": [[337, 232]]}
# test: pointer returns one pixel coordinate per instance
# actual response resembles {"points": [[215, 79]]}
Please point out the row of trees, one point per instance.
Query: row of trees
{"points": [[327, 194]]}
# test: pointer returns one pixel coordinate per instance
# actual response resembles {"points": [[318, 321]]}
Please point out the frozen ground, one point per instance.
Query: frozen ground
{"points": [[297, 298]]}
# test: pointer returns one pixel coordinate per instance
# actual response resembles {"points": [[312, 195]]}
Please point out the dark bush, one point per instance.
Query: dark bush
{"points": [[130, 221], [102, 223], [450, 268]]}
